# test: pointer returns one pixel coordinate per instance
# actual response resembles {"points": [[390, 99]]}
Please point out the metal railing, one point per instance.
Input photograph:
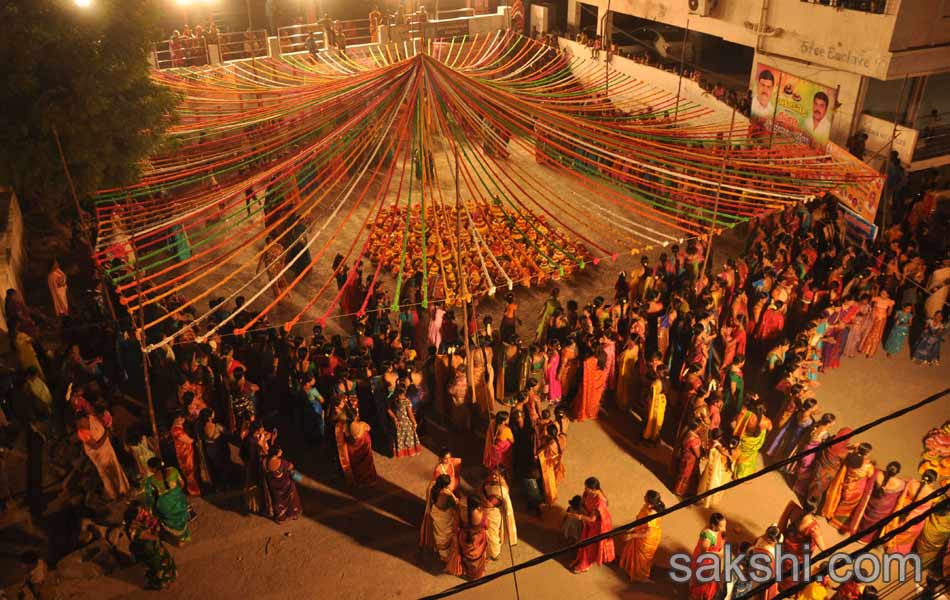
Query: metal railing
{"points": [[239, 45], [879, 7], [932, 142], [458, 12], [293, 38], [180, 52]]}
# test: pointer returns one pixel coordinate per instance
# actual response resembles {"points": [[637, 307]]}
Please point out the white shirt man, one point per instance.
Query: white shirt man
{"points": [[817, 125]]}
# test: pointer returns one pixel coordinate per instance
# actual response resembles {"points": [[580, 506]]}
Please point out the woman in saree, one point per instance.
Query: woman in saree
{"points": [[140, 447], [718, 470], [801, 536], [355, 450], [887, 491], [448, 465], [500, 513], [609, 347], [927, 349], [280, 483], [900, 329], [596, 520], [550, 458], [460, 413], [750, 444], [914, 491], [933, 537], [711, 541], [254, 449], [938, 287], [499, 441], [850, 490], [936, 451], [469, 556], [686, 458], [881, 306], [733, 390], [628, 372], [656, 406], [165, 498], [483, 377], [840, 334], [786, 440], [146, 546], [98, 448], [801, 470], [860, 324], [643, 540], [567, 373], [213, 448], [766, 546], [827, 463], [552, 382], [440, 522], [185, 452], [593, 384]]}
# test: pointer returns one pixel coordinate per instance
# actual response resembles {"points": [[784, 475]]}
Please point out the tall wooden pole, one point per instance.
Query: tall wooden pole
{"points": [[679, 83], [141, 337], [463, 288], [722, 175], [69, 177]]}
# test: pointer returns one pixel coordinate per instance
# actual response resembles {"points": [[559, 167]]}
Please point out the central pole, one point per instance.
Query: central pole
{"points": [[463, 288]]}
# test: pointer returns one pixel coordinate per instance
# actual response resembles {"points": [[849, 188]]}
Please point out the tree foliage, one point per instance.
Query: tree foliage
{"points": [[84, 72]]}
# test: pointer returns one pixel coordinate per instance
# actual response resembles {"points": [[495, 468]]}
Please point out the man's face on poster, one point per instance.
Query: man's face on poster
{"points": [[766, 84], [819, 108]]}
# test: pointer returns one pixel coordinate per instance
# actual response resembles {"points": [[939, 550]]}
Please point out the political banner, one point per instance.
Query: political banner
{"points": [[798, 108], [860, 196]]}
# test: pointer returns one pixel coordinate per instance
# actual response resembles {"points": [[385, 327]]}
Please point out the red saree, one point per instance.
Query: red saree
{"points": [[360, 452], [603, 551], [185, 453]]}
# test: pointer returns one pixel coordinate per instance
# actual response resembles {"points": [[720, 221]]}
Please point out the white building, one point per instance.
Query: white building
{"points": [[888, 59]]}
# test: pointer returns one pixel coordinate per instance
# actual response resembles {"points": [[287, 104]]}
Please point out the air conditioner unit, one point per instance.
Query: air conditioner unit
{"points": [[703, 8]]}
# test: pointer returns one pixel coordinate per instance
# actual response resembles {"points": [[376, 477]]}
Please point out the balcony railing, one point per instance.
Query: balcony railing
{"points": [[180, 52], [934, 138], [242, 44], [880, 7], [293, 38]]}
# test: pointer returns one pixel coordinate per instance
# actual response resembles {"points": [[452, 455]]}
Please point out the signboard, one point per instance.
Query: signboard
{"points": [[798, 108], [880, 133], [857, 228], [861, 197], [447, 28]]}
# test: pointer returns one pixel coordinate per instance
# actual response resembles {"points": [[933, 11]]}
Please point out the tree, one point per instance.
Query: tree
{"points": [[85, 74]]}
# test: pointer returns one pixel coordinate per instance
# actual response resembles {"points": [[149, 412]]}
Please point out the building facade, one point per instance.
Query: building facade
{"points": [[887, 60]]}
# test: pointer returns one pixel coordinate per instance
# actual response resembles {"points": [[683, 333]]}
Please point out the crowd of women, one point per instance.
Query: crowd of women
{"points": [[670, 346]]}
